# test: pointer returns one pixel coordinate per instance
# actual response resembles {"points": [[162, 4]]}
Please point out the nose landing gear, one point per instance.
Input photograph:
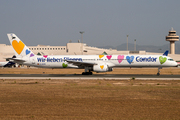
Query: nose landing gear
{"points": [[159, 71]]}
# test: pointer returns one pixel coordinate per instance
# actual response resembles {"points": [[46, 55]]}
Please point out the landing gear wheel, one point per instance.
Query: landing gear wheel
{"points": [[87, 73], [158, 74]]}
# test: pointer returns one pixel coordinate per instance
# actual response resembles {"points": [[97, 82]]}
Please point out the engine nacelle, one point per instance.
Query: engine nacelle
{"points": [[101, 68]]}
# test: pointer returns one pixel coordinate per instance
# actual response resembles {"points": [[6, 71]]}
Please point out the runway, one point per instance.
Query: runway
{"points": [[90, 77]]}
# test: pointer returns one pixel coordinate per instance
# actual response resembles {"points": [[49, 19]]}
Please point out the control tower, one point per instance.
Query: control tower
{"points": [[172, 37]]}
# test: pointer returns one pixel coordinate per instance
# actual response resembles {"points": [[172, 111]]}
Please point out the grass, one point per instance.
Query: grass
{"points": [[89, 99], [69, 99]]}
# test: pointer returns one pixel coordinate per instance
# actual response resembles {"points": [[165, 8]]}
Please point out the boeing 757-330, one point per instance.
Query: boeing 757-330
{"points": [[96, 63]]}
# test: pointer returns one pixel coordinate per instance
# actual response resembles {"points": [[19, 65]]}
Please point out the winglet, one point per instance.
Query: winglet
{"points": [[19, 47], [166, 53]]}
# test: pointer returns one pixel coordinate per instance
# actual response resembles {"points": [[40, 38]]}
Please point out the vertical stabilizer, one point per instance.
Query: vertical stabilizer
{"points": [[166, 53], [20, 49]]}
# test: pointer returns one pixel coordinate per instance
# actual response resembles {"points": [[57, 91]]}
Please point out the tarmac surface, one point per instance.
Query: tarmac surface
{"points": [[95, 76]]}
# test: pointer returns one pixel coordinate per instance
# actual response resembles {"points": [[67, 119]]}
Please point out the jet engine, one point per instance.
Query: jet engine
{"points": [[102, 68]]}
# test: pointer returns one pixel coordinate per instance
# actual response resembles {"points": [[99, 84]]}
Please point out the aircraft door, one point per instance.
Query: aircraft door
{"points": [[33, 60]]}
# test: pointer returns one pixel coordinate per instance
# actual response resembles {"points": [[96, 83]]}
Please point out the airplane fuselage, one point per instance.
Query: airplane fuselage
{"points": [[60, 61]]}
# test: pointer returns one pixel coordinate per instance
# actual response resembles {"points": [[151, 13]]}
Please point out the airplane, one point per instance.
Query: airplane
{"points": [[95, 63], [6, 64], [166, 53], [2, 64]]}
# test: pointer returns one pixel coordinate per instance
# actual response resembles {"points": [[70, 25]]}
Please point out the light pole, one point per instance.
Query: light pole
{"points": [[134, 44], [81, 41], [81, 36], [127, 42]]}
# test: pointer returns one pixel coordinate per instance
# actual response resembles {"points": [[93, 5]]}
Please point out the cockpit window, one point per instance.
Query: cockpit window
{"points": [[170, 59]]}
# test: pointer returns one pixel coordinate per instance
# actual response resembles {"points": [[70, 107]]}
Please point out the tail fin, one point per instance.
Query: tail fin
{"points": [[166, 53], [19, 47], [9, 64]]}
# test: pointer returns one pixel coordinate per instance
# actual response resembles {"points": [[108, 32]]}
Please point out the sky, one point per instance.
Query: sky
{"points": [[104, 22]]}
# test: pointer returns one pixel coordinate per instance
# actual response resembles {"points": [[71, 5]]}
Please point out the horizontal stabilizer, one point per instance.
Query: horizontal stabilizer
{"points": [[16, 60]]}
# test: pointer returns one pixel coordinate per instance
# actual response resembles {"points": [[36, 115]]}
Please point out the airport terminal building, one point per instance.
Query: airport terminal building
{"points": [[6, 51]]}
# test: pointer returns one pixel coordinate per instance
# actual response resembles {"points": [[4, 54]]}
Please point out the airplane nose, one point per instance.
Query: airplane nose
{"points": [[176, 64]]}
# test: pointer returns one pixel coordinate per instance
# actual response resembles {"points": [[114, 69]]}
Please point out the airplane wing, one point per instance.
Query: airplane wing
{"points": [[80, 63]]}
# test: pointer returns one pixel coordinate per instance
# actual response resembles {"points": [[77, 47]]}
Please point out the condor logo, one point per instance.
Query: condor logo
{"points": [[149, 59]]}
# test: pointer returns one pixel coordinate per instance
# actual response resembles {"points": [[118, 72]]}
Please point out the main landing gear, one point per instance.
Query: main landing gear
{"points": [[86, 71], [159, 71]]}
